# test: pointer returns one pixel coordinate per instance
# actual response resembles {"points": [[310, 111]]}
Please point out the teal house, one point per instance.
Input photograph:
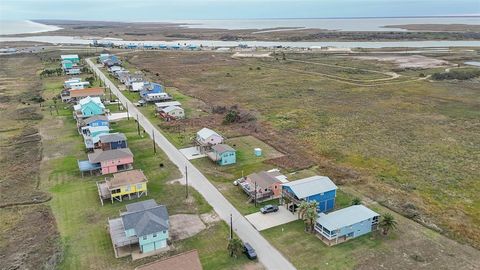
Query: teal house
{"points": [[144, 223], [71, 57], [67, 64], [87, 107], [223, 154]]}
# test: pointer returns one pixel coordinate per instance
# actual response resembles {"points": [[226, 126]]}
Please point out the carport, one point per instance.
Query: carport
{"points": [[265, 221]]}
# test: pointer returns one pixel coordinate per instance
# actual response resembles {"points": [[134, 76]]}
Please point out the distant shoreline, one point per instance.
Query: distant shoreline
{"points": [[25, 27]]}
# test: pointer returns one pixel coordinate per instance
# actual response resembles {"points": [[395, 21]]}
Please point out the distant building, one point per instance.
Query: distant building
{"points": [[172, 113], [88, 107], [315, 188], [71, 57], [347, 223], [74, 95]]}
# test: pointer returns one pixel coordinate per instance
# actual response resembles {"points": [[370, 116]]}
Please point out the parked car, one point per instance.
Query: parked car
{"points": [[293, 208], [269, 209], [249, 251]]}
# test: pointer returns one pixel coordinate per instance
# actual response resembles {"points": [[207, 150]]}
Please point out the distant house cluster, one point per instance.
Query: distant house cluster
{"points": [[149, 92], [70, 64]]}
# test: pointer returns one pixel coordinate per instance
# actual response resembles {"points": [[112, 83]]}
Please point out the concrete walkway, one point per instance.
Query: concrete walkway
{"points": [[270, 257], [266, 221]]}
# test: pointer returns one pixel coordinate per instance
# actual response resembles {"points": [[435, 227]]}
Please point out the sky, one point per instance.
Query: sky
{"points": [[162, 10]]}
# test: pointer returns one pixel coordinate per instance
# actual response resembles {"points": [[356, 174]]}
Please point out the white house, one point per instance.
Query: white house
{"points": [[174, 111]]}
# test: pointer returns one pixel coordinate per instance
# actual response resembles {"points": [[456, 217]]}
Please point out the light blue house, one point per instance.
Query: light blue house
{"points": [[149, 223], [94, 121], [223, 154], [67, 64], [87, 107], [345, 224], [315, 188]]}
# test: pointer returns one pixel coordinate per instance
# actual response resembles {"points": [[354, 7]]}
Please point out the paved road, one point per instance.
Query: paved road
{"points": [[270, 257]]}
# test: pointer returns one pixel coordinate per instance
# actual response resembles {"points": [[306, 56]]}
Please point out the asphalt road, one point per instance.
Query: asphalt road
{"points": [[269, 256]]}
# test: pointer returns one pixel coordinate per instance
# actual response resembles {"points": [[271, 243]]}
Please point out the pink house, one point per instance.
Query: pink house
{"points": [[206, 138], [112, 161]]}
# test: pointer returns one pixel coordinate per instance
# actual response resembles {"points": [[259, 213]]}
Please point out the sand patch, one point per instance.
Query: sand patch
{"points": [[411, 61]]}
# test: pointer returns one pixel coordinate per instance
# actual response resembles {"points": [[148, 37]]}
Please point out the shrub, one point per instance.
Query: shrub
{"points": [[456, 74]]}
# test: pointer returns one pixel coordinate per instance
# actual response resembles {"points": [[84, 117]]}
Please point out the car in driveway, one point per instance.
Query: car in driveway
{"points": [[269, 208], [249, 251]]}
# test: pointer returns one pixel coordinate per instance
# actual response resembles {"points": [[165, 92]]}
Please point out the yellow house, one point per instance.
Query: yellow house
{"points": [[131, 184]]}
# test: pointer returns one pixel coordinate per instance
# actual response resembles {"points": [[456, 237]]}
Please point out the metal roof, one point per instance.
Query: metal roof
{"points": [[146, 218], [263, 179], [93, 119], [311, 186], [112, 137], [126, 178], [99, 155], [171, 108], [67, 56], [222, 148], [161, 105], [205, 133], [345, 217]]}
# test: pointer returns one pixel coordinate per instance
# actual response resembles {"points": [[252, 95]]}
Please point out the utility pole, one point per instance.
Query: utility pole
{"points": [[186, 182], [154, 144], [231, 227], [128, 115], [255, 192], [138, 126]]}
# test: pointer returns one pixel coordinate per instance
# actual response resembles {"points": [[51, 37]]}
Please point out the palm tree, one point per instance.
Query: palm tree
{"points": [[302, 208], [311, 216], [234, 247], [388, 223], [356, 201]]}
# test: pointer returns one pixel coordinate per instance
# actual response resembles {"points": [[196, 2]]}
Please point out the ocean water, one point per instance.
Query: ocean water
{"points": [[343, 24], [24, 27]]}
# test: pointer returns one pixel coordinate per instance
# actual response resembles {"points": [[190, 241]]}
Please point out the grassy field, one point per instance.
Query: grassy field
{"points": [[408, 145], [82, 220]]}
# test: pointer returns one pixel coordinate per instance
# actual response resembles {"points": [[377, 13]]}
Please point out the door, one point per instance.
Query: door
{"points": [[330, 204]]}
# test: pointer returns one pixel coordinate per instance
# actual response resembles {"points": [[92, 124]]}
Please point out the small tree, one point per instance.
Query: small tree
{"points": [[356, 201], [310, 218], [302, 208], [231, 117], [388, 223], [234, 247]]}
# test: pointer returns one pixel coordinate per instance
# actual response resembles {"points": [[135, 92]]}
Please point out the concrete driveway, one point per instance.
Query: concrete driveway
{"points": [[192, 153], [265, 221]]}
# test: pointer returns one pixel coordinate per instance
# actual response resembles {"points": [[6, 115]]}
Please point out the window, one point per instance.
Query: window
{"points": [[139, 186], [145, 238], [154, 235], [164, 232], [127, 188]]}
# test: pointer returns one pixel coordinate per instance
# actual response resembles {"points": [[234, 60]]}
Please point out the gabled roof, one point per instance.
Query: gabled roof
{"points": [[222, 148], [96, 128], [345, 217], [126, 178], [67, 56], [99, 155], [94, 91], [167, 104], [205, 133], [311, 186], [112, 137], [171, 108], [146, 218], [184, 261], [92, 119], [264, 179]]}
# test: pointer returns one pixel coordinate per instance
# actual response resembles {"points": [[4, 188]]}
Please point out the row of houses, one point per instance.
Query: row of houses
{"points": [[144, 227], [149, 92]]}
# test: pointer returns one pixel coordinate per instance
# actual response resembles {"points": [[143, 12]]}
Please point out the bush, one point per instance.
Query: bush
{"points": [[456, 74]]}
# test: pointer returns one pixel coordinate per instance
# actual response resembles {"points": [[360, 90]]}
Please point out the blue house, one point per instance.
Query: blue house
{"points": [[151, 88], [94, 121], [315, 188], [144, 223], [223, 154], [112, 141], [345, 224]]}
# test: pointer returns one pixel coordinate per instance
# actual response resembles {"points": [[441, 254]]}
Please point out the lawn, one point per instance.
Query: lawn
{"points": [[306, 251]]}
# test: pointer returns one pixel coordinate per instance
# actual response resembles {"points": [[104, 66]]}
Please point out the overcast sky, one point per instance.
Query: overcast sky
{"points": [[158, 10]]}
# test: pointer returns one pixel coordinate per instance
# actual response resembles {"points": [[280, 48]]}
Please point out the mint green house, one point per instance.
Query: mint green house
{"points": [[67, 64], [148, 222], [89, 106], [71, 57], [223, 154]]}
